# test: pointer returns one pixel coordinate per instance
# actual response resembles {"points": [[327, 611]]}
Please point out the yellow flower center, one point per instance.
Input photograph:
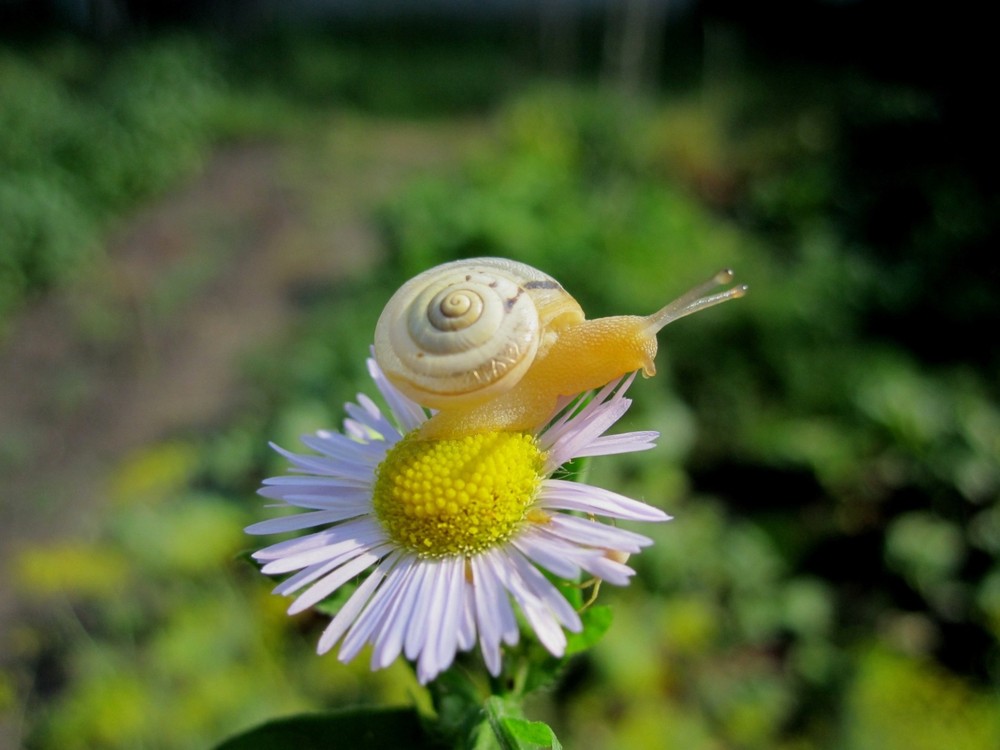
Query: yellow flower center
{"points": [[457, 496]]}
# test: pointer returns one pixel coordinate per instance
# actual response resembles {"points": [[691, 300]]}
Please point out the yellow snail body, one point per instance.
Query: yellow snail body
{"points": [[493, 344]]}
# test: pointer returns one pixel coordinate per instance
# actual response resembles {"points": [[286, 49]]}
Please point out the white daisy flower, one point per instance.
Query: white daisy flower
{"points": [[451, 533]]}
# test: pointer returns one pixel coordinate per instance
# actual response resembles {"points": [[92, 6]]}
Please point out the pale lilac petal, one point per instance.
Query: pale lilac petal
{"points": [[567, 560], [408, 414], [541, 620], [562, 495], [580, 413], [324, 466], [612, 571], [584, 532], [552, 557], [347, 551], [425, 607], [362, 533], [391, 630], [467, 626], [348, 500], [306, 576], [300, 521], [333, 581], [345, 451], [299, 544], [319, 555], [347, 614], [487, 596], [573, 440], [368, 626], [319, 484], [580, 431], [494, 615], [314, 464], [543, 606], [421, 615], [578, 410], [546, 592], [360, 432], [367, 413], [441, 643], [626, 442]]}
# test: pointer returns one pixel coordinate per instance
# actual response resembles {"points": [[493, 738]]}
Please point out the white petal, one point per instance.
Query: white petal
{"points": [[594, 534], [305, 483], [346, 615], [348, 500], [420, 619], [563, 495], [580, 414], [608, 570], [343, 450], [300, 521], [581, 431], [337, 445], [394, 623], [366, 627], [336, 579], [360, 534], [494, 615], [306, 576], [547, 555], [407, 413], [546, 592], [609, 396], [486, 594], [312, 572], [367, 414], [321, 465], [538, 600], [298, 544], [541, 620], [467, 625], [626, 442], [441, 643]]}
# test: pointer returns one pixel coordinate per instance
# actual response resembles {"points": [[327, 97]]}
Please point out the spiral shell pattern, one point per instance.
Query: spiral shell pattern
{"points": [[461, 331]]}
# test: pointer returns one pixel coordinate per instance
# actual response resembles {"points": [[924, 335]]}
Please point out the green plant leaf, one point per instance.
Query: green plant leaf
{"points": [[596, 621], [516, 733], [358, 729], [458, 706]]}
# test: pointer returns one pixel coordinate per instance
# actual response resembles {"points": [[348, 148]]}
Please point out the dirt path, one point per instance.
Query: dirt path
{"points": [[149, 345]]}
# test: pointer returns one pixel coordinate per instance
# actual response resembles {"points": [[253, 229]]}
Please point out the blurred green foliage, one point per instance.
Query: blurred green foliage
{"points": [[86, 136], [831, 578], [89, 133]]}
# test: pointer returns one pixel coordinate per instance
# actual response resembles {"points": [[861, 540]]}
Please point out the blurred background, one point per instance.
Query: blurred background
{"points": [[204, 207]]}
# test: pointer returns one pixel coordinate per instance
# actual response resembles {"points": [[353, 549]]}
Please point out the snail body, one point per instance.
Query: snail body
{"points": [[493, 344]]}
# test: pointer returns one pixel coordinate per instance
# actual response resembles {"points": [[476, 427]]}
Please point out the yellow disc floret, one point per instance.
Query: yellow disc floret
{"points": [[457, 496]]}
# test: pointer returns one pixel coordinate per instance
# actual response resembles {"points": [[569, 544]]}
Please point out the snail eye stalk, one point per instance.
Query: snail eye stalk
{"points": [[697, 299]]}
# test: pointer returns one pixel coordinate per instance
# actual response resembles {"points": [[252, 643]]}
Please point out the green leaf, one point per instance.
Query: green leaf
{"points": [[596, 621], [457, 703], [358, 729], [528, 735], [516, 733]]}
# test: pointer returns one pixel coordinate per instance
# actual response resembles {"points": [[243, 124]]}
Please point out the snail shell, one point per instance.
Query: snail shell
{"points": [[493, 344], [465, 331]]}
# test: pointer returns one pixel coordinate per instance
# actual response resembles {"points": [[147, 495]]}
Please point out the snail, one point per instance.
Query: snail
{"points": [[493, 344]]}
